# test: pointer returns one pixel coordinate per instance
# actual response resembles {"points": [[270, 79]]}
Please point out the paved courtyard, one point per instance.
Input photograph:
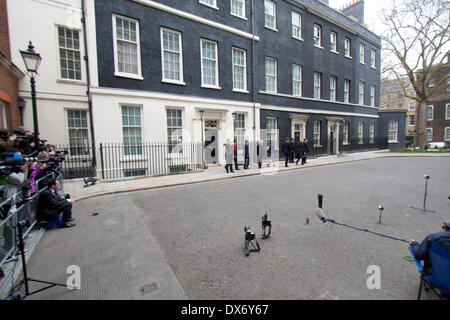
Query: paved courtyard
{"points": [[193, 235]]}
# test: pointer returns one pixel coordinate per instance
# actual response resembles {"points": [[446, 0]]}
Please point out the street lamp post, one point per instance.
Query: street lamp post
{"points": [[32, 61]]}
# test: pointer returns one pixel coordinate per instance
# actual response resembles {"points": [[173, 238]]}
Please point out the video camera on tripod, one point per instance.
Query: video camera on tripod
{"points": [[249, 237], [266, 223]]}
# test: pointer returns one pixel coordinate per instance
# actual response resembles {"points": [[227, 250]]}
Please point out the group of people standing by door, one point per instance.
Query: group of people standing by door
{"points": [[298, 150]]}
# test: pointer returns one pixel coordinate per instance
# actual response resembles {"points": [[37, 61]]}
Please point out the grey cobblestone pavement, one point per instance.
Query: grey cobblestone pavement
{"points": [[185, 240]]}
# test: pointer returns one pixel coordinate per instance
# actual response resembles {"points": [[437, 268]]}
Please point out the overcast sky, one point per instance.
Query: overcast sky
{"points": [[372, 10]]}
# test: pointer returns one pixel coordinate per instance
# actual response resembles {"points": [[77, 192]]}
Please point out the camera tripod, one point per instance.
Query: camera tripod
{"points": [[14, 293], [249, 237]]}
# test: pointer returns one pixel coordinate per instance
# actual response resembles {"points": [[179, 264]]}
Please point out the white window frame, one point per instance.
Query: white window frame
{"points": [[413, 122], [346, 91], [347, 47], [432, 112], [132, 126], [118, 73], [214, 5], [393, 131], [361, 93], [333, 86], [430, 132], [447, 134], [69, 49], [447, 111], [78, 129], [272, 132], [373, 90], [362, 53], [334, 42], [216, 85], [316, 133], [269, 76], [345, 131], [297, 83], [372, 133], [373, 58], [274, 27], [180, 60], [233, 49], [296, 28], [317, 85], [243, 16], [360, 132], [317, 38], [170, 144], [413, 104]]}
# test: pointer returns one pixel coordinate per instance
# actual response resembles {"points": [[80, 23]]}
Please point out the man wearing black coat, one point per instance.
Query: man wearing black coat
{"points": [[298, 150], [305, 150], [286, 149], [50, 205], [247, 155]]}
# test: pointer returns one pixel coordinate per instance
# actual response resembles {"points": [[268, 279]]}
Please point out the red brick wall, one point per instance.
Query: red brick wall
{"points": [[9, 84]]}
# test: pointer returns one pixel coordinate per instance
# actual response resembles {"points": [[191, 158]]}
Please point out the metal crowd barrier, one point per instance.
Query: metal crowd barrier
{"points": [[17, 209]]}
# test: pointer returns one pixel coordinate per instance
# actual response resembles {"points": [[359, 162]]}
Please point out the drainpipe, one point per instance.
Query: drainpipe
{"points": [[88, 84], [253, 76]]}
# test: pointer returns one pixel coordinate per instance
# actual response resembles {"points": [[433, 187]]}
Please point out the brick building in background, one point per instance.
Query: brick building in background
{"points": [[11, 110]]}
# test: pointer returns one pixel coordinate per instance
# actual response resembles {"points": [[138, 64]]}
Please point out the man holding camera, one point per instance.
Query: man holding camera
{"points": [[51, 205]]}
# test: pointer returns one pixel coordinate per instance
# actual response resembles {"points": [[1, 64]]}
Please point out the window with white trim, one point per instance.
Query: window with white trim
{"points": [[447, 111], [172, 55], [345, 132], [132, 130], [333, 81], [361, 92], [317, 85], [430, 134], [239, 129], [296, 80], [430, 110], [447, 134], [209, 3], [77, 125], [372, 132], [317, 128], [271, 75], [373, 58], [239, 69], [296, 25], [372, 95], [126, 47], [393, 131], [347, 47], [411, 120], [360, 132], [317, 35], [238, 8], [347, 91], [210, 74], [175, 130], [333, 41], [362, 53], [270, 14], [271, 131], [412, 106], [69, 53], [3, 121]]}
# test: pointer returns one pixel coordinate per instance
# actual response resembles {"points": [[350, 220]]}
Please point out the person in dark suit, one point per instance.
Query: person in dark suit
{"points": [[235, 154], [247, 155], [260, 153], [305, 150], [51, 205], [286, 149], [298, 150], [291, 155]]}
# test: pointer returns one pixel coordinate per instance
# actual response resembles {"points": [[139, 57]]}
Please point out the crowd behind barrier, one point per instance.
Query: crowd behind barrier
{"points": [[26, 164]]}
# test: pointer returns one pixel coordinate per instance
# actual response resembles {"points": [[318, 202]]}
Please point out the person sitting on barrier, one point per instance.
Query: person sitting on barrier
{"points": [[440, 238], [51, 207]]}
